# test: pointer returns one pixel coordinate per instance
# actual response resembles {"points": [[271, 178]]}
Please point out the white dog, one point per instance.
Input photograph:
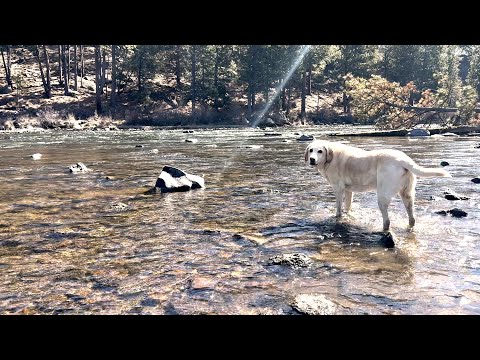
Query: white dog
{"points": [[349, 169]]}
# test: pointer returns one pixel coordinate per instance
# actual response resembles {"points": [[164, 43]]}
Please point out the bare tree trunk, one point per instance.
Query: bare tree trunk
{"points": [[8, 67], [249, 100], [178, 66], [114, 80], [68, 65], [284, 99], [65, 70], [42, 74], [289, 96], [47, 64], [309, 78], [139, 74], [81, 66], [98, 88], [75, 68], [104, 72], [215, 78], [60, 68], [304, 85], [193, 78]]}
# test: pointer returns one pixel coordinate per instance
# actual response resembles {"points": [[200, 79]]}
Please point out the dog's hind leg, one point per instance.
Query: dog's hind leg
{"points": [[348, 200], [407, 193]]}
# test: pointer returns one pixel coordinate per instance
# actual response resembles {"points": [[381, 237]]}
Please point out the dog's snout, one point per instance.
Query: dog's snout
{"points": [[312, 161]]}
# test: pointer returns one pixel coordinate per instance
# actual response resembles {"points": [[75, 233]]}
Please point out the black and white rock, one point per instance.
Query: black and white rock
{"points": [[418, 132], [252, 146], [172, 179], [78, 167], [387, 240], [444, 163], [36, 156], [476, 180], [312, 304], [188, 131], [295, 261], [450, 195], [191, 140], [306, 138], [453, 212], [476, 146], [139, 146], [153, 151], [272, 134]]}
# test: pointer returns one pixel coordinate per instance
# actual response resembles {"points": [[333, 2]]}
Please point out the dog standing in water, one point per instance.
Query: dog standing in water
{"points": [[349, 169]]}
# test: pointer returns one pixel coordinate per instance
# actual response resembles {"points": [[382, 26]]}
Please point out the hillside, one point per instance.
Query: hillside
{"points": [[164, 106]]}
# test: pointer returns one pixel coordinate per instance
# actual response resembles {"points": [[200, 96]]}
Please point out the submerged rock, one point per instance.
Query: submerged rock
{"points": [[453, 212], [119, 206], [450, 195], [252, 146], [199, 282], [172, 179], [78, 167], [295, 261], [450, 134], [311, 304], [444, 163], [306, 138], [387, 240], [418, 132], [36, 156], [139, 146], [188, 131], [191, 140], [272, 134], [476, 180]]}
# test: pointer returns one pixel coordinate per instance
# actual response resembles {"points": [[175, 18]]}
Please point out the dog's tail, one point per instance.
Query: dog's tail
{"points": [[423, 172]]}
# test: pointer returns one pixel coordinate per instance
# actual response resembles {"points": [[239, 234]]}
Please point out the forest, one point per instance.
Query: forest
{"points": [[389, 86]]}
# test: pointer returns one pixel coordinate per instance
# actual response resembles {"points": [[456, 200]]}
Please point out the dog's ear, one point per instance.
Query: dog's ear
{"points": [[306, 154], [329, 153]]}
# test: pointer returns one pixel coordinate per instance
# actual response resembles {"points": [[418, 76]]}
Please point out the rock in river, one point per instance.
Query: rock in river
{"points": [[36, 156], [306, 138], [454, 212], [78, 167], [476, 180], [295, 261], [312, 304], [450, 195], [172, 179], [444, 163]]}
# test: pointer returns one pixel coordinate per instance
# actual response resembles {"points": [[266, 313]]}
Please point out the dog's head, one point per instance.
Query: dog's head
{"points": [[318, 153]]}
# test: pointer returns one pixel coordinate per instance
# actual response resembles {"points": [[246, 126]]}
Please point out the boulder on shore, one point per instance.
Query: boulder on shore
{"points": [[418, 132], [311, 304], [172, 179]]}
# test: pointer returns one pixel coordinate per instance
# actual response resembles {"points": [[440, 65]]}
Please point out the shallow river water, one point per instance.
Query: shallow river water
{"points": [[65, 250]]}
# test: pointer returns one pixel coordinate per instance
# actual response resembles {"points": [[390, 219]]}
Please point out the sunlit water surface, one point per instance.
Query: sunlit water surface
{"points": [[65, 250]]}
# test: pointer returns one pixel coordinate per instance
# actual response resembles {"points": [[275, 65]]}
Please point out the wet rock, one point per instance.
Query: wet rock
{"points": [[252, 146], [476, 146], [172, 179], [149, 302], [153, 151], [418, 132], [272, 134], [119, 206], [286, 141], [211, 145], [434, 198], [110, 178], [455, 212], [295, 261], [476, 180], [199, 282], [36, 156], [311, 304], [450, 195], [450, 134], [78, 167], [188, 131], [387, 240], [191, 140], [139, 145], [306, 138], [444, 163]]}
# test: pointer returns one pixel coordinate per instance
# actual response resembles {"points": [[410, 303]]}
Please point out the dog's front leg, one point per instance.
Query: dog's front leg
{"points": [[339, 193]]}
